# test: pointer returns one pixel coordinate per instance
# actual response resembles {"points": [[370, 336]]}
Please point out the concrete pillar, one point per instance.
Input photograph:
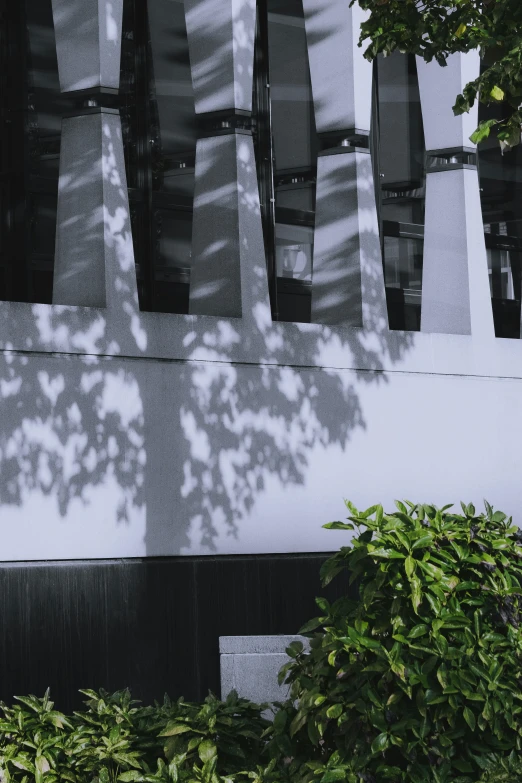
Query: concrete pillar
{"points": [[94, 260], [348, 281], [228, 275], [455, 287], [88, 43]]}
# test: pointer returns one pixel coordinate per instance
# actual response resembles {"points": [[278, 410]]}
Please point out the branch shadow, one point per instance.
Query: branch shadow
{"points": [[126, 456]]}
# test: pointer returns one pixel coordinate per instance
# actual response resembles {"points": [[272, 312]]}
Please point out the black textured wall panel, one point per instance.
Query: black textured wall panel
{"points": [[151, 624]]}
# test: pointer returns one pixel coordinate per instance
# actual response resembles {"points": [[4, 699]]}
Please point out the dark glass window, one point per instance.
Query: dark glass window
{"points": [[159, 134], [159, 131], [399, 162], [295, 158], [30, 148], [500, 174]]}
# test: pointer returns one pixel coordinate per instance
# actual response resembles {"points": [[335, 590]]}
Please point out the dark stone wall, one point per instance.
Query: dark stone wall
{"points": [[152, 625]]}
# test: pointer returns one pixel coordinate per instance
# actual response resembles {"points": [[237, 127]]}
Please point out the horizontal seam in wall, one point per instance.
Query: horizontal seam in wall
{"points": [[154, 559], [268, 365]]}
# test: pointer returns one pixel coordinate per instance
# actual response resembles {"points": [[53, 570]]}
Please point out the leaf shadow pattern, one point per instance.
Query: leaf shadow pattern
{"points": [[127, 433], [245, 424]]}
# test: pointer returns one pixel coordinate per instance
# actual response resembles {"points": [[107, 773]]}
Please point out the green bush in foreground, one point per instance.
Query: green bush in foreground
{"points": [[116, 739], [419, 680], [416, 681]]}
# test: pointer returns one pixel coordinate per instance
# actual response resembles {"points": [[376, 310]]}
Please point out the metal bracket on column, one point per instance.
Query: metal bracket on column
{"points": [[224, 123], [93, 101], [346, 140], [451, 159]]}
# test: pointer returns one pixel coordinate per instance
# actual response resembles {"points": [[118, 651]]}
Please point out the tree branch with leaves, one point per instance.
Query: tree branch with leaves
{"points": [[435, 29]]}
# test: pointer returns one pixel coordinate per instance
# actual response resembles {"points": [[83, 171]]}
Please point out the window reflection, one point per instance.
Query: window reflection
{"points": [[159, 132], [500, 176], [288, 119], [30, 148], [399, 157]]}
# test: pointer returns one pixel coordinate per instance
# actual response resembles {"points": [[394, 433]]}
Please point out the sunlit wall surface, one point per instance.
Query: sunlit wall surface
{"points": [[245, 274]]}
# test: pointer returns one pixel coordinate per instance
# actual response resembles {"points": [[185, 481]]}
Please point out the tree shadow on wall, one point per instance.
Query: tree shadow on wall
{"points": [[236, 427], [191, 445], [70, 421], [163, 457]]}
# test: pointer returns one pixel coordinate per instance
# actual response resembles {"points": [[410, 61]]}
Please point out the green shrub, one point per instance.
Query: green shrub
{"points": [[116, 739], [419, 679]]}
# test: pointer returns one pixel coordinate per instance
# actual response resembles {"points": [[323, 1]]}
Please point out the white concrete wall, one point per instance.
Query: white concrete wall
{"points": [[125, 433]]}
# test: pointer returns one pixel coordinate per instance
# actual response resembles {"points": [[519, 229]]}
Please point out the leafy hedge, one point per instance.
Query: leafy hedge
{"points": [[116, 739], [418, 680]]}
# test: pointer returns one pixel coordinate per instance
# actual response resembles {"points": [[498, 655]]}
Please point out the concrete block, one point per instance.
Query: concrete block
{"points": [[250, 665]]}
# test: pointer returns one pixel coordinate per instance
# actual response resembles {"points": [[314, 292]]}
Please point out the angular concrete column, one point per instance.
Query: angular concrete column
{"points": [[94, 259], [228, 275], [455, 287], [88, 43], [348, 279]]}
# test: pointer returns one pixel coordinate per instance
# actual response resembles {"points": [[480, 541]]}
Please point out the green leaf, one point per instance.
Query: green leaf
{"points": [[207, 750], [442, 676], [280, 720], [469, 717], [294, 648], [461, 29], [423, 541], [335, 711], [416, 593], [298, 722], [380, 743], [418, 630], [431, 570], [338, 526], [388, 554], [497, 93], [311, 625], [335, 775], [434, 697], [173, 730], [409, 565]]}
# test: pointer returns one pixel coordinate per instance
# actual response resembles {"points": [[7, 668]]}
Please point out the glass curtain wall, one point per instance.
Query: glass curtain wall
{"points": [[399, 167], [159, 135], [286, 151], [159, 132], [32, 109], [500, 173]]}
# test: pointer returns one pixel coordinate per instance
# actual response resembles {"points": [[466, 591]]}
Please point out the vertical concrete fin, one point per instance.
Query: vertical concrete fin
{"points": [[225, 278], [455, 287], [348, 280], [94, 260], [88, 43]]}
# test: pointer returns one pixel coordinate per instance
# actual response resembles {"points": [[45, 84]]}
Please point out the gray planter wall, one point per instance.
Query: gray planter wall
{"points": [[250, 666]]}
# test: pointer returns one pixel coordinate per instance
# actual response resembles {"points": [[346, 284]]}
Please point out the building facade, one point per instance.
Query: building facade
{"points": [[245, 274]]}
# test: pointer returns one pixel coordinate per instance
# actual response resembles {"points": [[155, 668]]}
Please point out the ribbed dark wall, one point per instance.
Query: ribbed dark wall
{"points": [[151, 624]]}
